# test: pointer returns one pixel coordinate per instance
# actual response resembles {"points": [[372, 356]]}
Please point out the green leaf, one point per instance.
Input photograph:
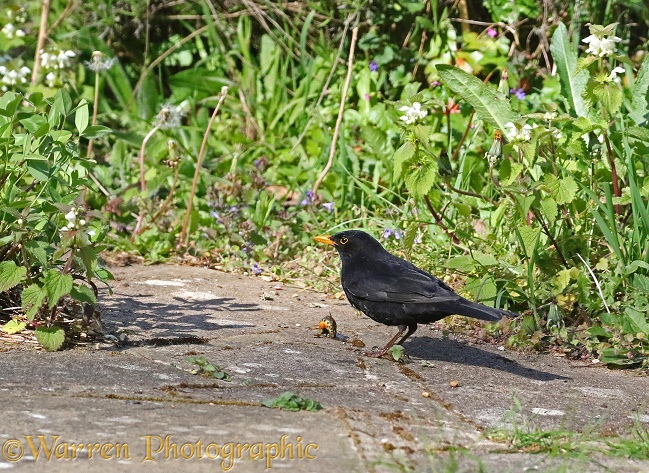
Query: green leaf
{"points": [[463, 263], [292, 402], [13, 326], [10, 275], [403, 154], [38, 169], [51, 338], [529, 237], [38, 250], [32, 299], [83, 294], [638, 109], [563, 190], [421, 176], [96, 131], [609, 94], [549, 209], [565, 57], [638, 320], [57, 285], [489, 105], [397, 352], [81, 116], [484, 259]]}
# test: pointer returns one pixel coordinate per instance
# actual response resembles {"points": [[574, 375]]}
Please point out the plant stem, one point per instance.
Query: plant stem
{"points": [[199, 163], [341, 110], [438, 220], [141, 157], [95, 106], [611, 160], [40, 42]]}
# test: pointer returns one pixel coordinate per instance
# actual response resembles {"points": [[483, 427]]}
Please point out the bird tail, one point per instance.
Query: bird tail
{"points": [[480, 311]]}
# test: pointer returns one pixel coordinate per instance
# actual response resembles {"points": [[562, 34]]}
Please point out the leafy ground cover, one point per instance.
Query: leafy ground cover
{"points": [[501, 146]]}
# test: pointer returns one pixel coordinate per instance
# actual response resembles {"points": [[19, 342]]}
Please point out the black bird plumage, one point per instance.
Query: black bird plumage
{"points": [[393, 291]]}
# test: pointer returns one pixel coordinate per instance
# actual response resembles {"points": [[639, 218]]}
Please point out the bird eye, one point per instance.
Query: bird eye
{"points": [[344, 240]]}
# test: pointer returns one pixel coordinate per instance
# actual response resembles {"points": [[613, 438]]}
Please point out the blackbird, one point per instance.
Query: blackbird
{"points": [[393, 291]]}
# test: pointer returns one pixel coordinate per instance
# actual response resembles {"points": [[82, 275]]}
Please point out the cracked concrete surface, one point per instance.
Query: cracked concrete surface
{"points": [[379, 415]]}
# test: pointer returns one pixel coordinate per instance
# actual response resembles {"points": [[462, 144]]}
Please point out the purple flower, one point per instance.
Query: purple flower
{"points": [[256, 269], [492, 32], [214, 214], [435, 83], [367, 97], [329, 206], [388, 232], [374, 66], [308, 199], [518, 93]]}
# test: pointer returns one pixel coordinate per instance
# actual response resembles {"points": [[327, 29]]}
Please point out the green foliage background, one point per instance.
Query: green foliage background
{"points": [[551, 220]]}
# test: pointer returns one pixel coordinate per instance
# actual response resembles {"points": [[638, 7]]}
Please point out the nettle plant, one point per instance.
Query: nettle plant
{"points": [[565, 201], [49, 242]]}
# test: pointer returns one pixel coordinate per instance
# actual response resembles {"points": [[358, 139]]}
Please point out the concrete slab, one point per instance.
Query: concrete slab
{"points": [[379, 415]]}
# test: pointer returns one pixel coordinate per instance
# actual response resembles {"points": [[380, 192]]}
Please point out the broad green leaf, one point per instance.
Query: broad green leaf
{"points": [[563, 190], [38, 250], [81, 116], [38, 169], [529, 237], [57, 285], [638, 320], [403, 154], [463, 263], [51, 338], [549, 209], [83, 294], [96, 131], [33, 297], [13, 326], [638, 109], [484, 289], [421, 176], [10, 275], [561, 280], [565, 57], [639, 133], [484, 259], [489, 105], [609, 94]]}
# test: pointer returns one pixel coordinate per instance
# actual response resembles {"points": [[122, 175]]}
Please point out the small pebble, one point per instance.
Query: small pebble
{"points": [[425, 394], [455, 384]]}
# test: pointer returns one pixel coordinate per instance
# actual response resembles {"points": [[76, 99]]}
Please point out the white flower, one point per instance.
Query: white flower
{"points": [[513, 132], [50, 79], [613, 75], [20, 34], [170, 116], [9, 29], [56, 59], [63, 58], [412, 114], [71, 217], [601, 47], [549, 116], [99, 62]]}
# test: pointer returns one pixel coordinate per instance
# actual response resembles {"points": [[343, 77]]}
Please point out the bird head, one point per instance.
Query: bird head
{"points": [[351, 243]]}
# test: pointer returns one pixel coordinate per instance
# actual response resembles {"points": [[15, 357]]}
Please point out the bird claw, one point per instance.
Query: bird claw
{"points": [[375, 354]]}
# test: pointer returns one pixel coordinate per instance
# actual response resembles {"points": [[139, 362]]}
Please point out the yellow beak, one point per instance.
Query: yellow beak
{"points": [[326, 239]]}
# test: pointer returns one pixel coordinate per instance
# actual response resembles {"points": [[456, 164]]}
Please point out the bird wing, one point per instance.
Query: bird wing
{"points": [[399, 281]]}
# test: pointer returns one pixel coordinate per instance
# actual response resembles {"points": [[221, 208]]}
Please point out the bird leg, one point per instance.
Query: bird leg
{"points": [[402, 328]]}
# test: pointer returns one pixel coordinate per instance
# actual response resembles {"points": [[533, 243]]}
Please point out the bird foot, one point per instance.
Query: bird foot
{"points": [[375, 354]]}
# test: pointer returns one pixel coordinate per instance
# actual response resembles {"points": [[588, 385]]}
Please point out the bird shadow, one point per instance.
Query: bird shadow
{"points": [[452, 351]]}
